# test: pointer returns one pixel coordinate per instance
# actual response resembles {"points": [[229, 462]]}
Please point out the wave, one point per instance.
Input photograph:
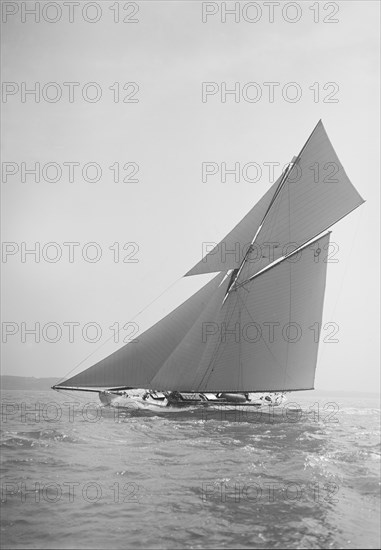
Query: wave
{"points": [[35, 437]]}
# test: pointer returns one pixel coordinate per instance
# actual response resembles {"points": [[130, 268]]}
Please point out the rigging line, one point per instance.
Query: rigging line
{"points": [[240, 369], [242, 264], [210, 366], [113, 335], [66, 394], [284, 178], [246, 271], [271, 224], [196, 322], [209, 369]]}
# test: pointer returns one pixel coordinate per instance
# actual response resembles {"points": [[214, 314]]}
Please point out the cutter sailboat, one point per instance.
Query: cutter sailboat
{"points": [[246, 337]]}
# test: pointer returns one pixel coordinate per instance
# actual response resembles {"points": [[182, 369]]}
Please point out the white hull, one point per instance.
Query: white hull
{"points": [[151, 401]]}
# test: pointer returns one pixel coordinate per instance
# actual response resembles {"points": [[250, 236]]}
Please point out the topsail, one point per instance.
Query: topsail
{"points": [[229, 253], [314, 195]]}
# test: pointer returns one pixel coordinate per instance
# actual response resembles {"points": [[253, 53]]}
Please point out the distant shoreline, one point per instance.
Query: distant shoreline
{"points": [[9, 382]]}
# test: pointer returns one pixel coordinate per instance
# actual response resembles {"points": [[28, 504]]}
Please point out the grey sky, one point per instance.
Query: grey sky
{"points": [[169, 133]]}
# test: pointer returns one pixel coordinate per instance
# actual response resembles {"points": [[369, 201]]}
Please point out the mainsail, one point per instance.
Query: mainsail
{"points": [[265, 337], [255, 328]]}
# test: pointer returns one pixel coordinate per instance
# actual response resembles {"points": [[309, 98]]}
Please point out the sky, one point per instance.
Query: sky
{"points": [[152, 209]]}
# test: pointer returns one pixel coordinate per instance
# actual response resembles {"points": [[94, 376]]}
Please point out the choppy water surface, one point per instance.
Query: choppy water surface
{"points": [[78, 476]]}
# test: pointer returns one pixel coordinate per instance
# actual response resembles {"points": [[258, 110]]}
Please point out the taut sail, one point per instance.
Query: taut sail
{"points": [[183, 361], [229, 253], [314, 195], [136, 363], [264, 337], [257, 328]]}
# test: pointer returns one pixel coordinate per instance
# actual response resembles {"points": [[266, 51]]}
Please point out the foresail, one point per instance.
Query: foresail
{"points": [[266, 335], [229, 253], [178, 370], [135, 364], [316, 194]]}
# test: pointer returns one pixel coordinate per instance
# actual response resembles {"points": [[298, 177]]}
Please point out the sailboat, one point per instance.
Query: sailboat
{"points": [[251, 334]]}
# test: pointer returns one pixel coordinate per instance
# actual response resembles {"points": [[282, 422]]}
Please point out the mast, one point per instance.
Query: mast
{"points": [[232, 285]]}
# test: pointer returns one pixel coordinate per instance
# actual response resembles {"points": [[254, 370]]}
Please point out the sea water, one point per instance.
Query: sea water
{"points": [[77, 475]]}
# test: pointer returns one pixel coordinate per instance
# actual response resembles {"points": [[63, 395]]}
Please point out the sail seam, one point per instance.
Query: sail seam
{"points": [[264, 341]]}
